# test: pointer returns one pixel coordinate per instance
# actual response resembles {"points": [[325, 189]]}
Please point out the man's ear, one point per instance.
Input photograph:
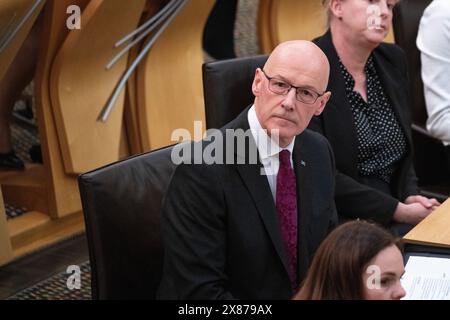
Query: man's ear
{"points": [[257, 81], [323, 102]]}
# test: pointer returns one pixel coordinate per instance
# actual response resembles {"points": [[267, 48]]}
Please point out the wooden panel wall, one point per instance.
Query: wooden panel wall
{"points": [[81, 85], [170, 91]]}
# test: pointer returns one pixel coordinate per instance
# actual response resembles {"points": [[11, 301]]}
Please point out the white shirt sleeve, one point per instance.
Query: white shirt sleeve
{"points": [[433, 41]]}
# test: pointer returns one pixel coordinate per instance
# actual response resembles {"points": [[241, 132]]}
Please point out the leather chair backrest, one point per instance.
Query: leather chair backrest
{"points": [[121, 205], [227, 88], [407, 15]]}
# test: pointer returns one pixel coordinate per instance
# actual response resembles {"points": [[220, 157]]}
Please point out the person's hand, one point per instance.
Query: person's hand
{"points": [[426, 202], [411, 213]]}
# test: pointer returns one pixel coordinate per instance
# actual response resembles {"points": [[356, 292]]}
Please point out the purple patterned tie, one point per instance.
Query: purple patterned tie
{"points": [[286, 203]]}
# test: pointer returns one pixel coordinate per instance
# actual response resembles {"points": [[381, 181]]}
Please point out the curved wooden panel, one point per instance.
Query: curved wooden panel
{"points": [[11, 14], [264, 29], [292, 19], [61, 189], [81, 85], [131, 111], [170, 92], [131, 114]]}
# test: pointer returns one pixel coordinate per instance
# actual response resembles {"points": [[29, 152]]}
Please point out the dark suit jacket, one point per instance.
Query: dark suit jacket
{"points": [[220, 227], [354, 199]]}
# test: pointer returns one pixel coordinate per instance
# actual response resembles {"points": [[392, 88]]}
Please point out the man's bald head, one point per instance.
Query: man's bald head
{"points": [[299, 65], [303, 56]]}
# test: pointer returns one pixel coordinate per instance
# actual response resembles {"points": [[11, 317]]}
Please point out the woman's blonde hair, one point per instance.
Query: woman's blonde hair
{"points": [[326, 5]]}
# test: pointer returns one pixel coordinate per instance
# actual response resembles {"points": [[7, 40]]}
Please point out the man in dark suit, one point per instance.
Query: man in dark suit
{"points": [[247, 229]]}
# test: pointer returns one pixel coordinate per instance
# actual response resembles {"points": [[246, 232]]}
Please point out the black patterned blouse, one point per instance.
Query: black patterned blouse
{"points": [[381, 141]]}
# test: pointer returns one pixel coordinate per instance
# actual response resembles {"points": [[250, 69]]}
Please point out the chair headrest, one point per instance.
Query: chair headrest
{"points": [[227, 88]]}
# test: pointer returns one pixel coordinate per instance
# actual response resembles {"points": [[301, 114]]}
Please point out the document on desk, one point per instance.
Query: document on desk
{"points": [[427, 278]]}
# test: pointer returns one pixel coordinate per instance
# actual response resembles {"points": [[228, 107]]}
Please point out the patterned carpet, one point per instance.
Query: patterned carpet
{"points": [[24, 130], [245, 33], [24, 135], [56, 287], [23, 138], [13, 212]]}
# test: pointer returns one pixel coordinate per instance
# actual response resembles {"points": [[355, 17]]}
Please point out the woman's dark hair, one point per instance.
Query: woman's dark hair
{"points": [[338, 265]]}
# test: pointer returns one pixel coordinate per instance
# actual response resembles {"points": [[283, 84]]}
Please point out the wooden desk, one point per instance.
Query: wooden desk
{"points": [[434, 230]]}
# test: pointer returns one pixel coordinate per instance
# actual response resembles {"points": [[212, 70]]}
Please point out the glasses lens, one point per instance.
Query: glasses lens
{"points": [[278, 86], [306, 95], [302, 94]]}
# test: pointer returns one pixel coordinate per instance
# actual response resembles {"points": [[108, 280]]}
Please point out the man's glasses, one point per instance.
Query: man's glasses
{"points": [[281, 87]]}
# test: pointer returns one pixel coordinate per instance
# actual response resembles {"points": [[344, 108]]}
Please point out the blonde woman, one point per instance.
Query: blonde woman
{"points": [[367, 119]]}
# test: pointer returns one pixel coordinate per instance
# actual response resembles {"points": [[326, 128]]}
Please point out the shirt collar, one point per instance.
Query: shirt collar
{"points": [[369, 70], [266, 146]]}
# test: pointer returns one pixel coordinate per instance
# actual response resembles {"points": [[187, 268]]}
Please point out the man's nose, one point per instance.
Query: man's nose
{"points": [[290, 99]]}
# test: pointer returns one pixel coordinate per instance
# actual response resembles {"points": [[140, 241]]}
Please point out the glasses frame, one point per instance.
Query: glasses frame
{"points": [[290, 87]]}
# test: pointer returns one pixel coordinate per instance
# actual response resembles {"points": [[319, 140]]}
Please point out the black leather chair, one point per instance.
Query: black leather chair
{"points": [[429, 153], [121, 205], [227, 88]]}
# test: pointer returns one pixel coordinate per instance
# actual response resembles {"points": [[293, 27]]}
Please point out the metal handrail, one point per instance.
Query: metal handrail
{"points": [[7, 30], [106, 111], [20, 24], [167, 7], [142, 35]]}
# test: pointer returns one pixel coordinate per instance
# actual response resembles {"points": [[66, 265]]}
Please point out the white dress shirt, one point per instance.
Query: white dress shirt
{"points": [[433, 40], [268, 150]]}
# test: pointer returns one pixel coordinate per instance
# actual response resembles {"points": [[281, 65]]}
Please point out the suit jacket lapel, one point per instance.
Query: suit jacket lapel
{"points": [[338, 113], [390, 78], [336, 83], [259, 189], [304, 202]]}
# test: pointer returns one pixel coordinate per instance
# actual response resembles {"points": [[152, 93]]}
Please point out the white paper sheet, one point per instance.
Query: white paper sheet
{"points": [[427, 278]]}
